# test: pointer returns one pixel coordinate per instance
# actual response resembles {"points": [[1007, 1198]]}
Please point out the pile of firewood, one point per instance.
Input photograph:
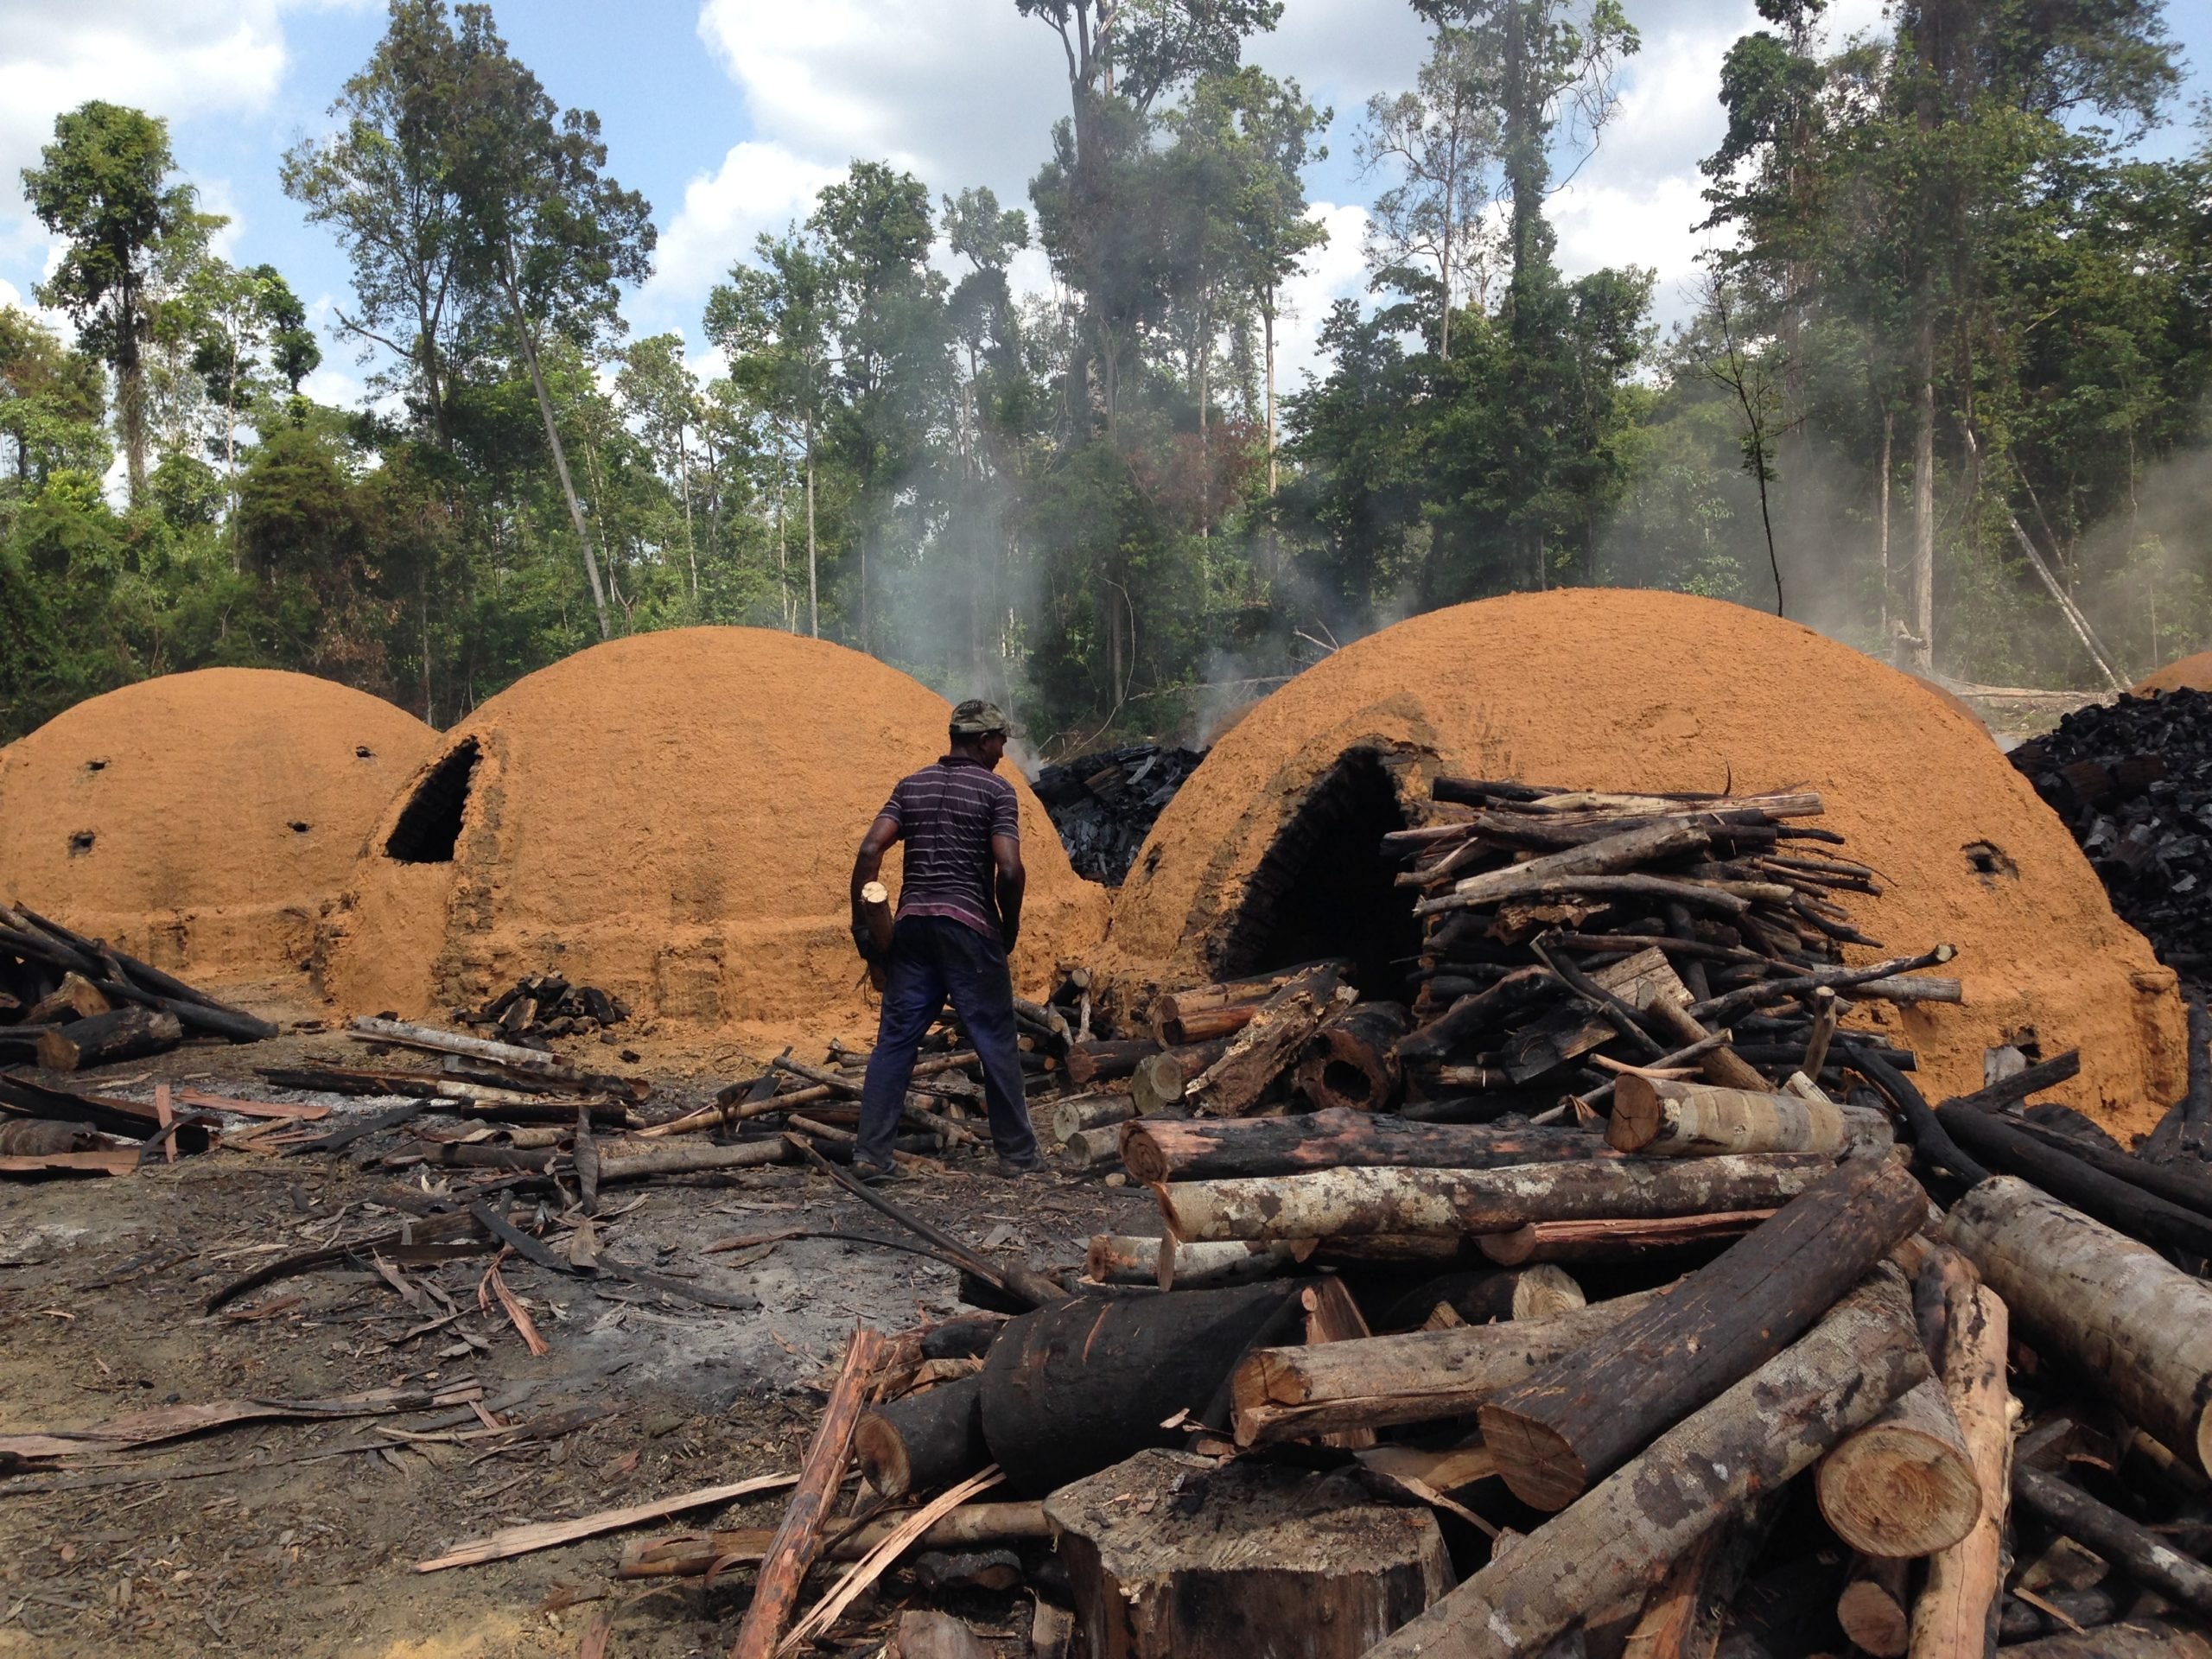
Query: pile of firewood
{"points": [[535, 1009], [74, 1002], [1104, 805], [2133, 782]]}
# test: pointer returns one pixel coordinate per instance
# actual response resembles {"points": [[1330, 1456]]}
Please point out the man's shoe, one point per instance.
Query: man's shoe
{"points": [[877, 1174], [1014, 1169]]}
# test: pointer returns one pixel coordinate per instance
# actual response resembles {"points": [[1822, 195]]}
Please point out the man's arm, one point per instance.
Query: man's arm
{"points": [[1013, 879], [877, 841]]}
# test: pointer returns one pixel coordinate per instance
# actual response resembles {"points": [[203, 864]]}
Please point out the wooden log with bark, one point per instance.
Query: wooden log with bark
{"points": [[1609, 1240], [1206, 1149], [1285, 1393], [75, 998], [2115, 1310], [2128, 1544], [1874, 1609], [1069, 1389], [1576, 1421], [2130, 1639], [1352, 1061], [2118, 1202], [1098, 1148], [1957, 1611], [1071, 1117], [693, 1554], [1180, 1018], [1904, 1485], [1162, 1083], [924, 1441], [1480, 1295], [1169, 1556], [1117, 1259], [1100, 1061], [1268, 1045], [1697, 1120], [1621, 1535], [131, 1034], [1328, 1202]]}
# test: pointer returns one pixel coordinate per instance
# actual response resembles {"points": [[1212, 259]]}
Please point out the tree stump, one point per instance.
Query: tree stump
{"points": [[1168, 1555]]}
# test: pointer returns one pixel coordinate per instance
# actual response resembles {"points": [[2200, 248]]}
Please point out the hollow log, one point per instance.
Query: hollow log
{"points": [[1609, 1240], [1577, 1421], [1071, 1117], [2114, 1309], [108, 1039], [2144, 1639], [1099, 1061], [1070, 1390], [1159, 1085], [1240, 1559], [1351, 1060], [1231, 1261], [1324, 1203], [1697, 1119], [1621, 1535], [1285, 1393], [1873, 1609], [1268, 1046], [1170, 1011], [1204, 1149], [1093, 1148], [1904, 1485], [2120, 1204], [2128, 1544], [924, 1440]]}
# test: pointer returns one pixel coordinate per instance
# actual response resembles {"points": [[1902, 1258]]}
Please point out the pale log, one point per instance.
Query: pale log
{"points": [[1231, 1261], [1576, 1421], [692, 1160], [75, 998], [1268, 1046], [1697, 1119], [1957, 1612], [1621, 1535], [1352, 1062], [1324, 1203], [1170, 1558], [800, 1537], [1285, 1393], [1482, 1294], [1071, 1117], [1872, 1608], [1121, 1259], [924, 1440], [1614, 1241], [1194, 1149], [1721, 1065], [1332, 1316], [106, 1038], [1904, 1485], [1160, 1085], [1093, 1148], [1610, 856], [2114, 1309]]}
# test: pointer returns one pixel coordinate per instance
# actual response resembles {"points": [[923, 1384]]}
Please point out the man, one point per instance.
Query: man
{"points": [[959, 915]]}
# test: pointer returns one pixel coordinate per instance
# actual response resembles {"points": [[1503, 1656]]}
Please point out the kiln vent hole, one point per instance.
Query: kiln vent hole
{"points": [[95, 765], [1986, 858], [1325, 888], [80, 843], [429, 824]]}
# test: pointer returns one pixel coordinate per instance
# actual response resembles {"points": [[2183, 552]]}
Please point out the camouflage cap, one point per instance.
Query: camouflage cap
{"points": [[975, 718]]}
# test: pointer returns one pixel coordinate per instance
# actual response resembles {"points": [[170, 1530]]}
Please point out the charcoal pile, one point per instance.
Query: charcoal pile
{"points": [[76, 1002], [1104, 805], [2133, 783], [539, 1008]]}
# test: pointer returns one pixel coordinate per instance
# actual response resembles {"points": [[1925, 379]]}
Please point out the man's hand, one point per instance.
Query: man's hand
{"points": [[864, 942]]}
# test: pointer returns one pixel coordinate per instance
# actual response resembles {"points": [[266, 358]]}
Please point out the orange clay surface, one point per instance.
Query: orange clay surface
{"points": [[672, 817], [202, 820], [2190, 673], [1627, 690]]}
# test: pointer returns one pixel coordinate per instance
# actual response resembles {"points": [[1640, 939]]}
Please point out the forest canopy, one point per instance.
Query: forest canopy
{"points": [[1944, 393]]}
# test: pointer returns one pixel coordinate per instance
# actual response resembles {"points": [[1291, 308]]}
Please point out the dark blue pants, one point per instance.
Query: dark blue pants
{"points": [[934, 957]]}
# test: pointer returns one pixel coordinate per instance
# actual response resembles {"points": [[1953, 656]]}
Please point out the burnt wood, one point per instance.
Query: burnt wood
{"points": [[1202, 1149]]}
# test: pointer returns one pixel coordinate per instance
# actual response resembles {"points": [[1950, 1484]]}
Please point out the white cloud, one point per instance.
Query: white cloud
{"points": [[759, 186], [1335, 270], [171, 58]]}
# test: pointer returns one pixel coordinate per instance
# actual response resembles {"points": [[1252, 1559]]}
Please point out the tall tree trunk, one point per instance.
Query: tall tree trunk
{"points": [[683, 483], [560, 457], [813, 570], [1205, 458], [130, 394], [1923, 490], [1268, 324], [1889, 427]]}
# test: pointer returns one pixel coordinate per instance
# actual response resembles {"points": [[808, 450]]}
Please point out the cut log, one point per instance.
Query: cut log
{"points": [[1121, 1259], [1956, 1615], [1102, 1062], [924, 1441], [2114, 1309], [1070, 1390], [1232, 1262], [1621, 1535], [1615, 1240], [1071, 1117], [1206, 1149], [75, 998], [1481, 1295], [2117, 1203], [1170, 1557], [1268, 1045], [1904, 1485], [2128, 1544], [1577, 1421], [925, 1635], [1174, 1012], [1697, 1119], [1093, 1148], [1873, 1609], [1160, 1085], [1332, 1316], [1285, 1393], [1324, 1203], [1474, 1013], [688, 1555], [108, 1039], [1352, 1061], [2148, 1639], [1609, 856], [1721, 1065], [692, 1160]]}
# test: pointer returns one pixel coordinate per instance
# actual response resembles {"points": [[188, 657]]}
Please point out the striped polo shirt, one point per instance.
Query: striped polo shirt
{"points": [[947, 815]]}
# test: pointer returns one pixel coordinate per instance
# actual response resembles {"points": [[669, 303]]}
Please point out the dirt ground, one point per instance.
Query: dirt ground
{"points": [[299, 1538]]}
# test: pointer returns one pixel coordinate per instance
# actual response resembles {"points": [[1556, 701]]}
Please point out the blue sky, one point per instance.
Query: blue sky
{"points": [[728, 114]]}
